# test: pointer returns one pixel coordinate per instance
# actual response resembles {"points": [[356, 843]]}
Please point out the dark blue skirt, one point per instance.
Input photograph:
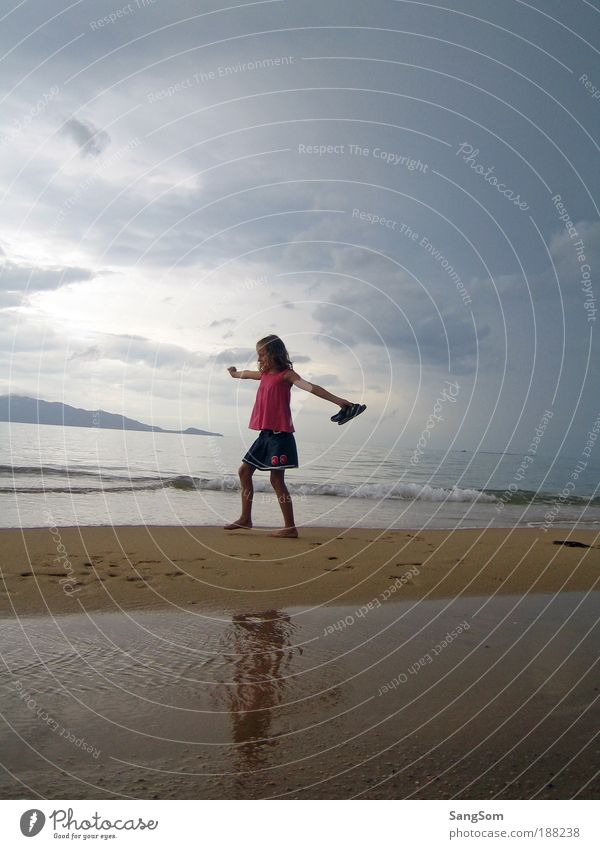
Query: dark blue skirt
{"points": [[272, 450]]}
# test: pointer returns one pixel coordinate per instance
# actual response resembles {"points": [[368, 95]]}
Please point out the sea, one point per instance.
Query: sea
{"points": [[70, 476]]}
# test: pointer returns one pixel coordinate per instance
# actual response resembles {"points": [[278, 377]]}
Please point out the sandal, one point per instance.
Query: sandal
{"points": [[347, 413]]}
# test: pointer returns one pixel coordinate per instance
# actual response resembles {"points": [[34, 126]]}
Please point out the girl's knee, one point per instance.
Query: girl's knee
{"points": [[245, 471], [278, 484], [277, 481]]}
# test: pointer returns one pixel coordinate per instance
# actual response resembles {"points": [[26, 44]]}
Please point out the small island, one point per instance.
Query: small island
{"points": [[25, 410]]}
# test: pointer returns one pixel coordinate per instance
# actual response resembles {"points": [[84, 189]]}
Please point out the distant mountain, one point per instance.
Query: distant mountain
{"points": [[20, 408]]}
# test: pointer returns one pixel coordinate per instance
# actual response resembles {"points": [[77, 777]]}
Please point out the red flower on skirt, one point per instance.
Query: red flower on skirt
{"points": [[274, 460]]}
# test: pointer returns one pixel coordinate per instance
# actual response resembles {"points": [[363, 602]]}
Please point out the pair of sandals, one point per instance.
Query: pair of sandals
{"points": [[347, 413]]}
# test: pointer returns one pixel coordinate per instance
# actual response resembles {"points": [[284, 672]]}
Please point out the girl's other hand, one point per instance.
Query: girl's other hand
{"points": [[232, 370]]}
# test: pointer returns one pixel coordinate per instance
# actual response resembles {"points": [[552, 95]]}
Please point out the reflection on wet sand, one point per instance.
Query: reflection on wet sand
{"points": [[261, 660], [448, 698]]}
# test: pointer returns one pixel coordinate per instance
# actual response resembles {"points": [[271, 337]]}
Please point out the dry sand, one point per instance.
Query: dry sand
{"points": [[106, 568]]}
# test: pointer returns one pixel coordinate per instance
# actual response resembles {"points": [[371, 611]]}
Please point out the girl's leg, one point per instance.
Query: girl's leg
{"points": [[285, 502], [245, 472]]}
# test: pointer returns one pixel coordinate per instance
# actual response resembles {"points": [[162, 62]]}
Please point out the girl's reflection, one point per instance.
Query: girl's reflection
{"points": [[263, 654]]}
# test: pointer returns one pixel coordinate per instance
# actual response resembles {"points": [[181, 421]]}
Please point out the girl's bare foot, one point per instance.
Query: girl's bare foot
{"points": [[285, 532], [239, 524]]}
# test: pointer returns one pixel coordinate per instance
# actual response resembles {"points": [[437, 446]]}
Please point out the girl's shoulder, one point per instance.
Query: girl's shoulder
{"points": [[282, 374], [289, 375]]}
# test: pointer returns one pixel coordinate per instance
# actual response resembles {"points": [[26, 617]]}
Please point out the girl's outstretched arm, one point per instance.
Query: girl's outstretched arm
{"points": [[298, 381], [244, 374]]}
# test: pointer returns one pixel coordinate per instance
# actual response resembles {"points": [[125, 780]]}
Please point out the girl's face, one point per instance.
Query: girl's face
{"points": [[262, 358]]}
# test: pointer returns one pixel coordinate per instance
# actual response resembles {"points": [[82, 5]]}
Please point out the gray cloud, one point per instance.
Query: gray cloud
{"points": [[90, 140], [139, 350], [19, 280], [217, 177], [222, 321], [447, 341], [233, 355], [30, 278], [91, 354]]}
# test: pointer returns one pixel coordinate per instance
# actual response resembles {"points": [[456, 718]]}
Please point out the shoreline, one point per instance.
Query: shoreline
{"points": [[104, 568]]}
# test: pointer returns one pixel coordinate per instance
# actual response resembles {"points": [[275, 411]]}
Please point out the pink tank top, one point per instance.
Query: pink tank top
{"points": [[271, 409]]}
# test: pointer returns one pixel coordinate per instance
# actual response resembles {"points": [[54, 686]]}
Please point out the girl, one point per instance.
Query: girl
{"points": [[275, 448]]}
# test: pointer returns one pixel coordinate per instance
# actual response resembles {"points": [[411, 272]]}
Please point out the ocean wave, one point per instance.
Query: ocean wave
{"points": [[82, 480], [75, 490], [92, 472], [373, 491]]}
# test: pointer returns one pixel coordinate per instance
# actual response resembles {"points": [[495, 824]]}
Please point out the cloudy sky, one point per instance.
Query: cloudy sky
{"points": [[377, 183]]}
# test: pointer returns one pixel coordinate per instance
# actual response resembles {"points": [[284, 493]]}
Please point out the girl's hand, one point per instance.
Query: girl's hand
{"points": [[233, 371]]}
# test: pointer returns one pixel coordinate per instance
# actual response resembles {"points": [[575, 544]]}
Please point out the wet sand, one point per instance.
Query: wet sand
{"points": [[343, 664]]}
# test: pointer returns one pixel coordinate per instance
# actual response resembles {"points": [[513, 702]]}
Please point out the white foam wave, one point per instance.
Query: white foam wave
{"points": [[373, 491]]}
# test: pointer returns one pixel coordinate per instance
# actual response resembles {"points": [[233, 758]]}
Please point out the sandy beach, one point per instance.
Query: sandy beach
{"points": [[194, 663], [106, 568]]}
